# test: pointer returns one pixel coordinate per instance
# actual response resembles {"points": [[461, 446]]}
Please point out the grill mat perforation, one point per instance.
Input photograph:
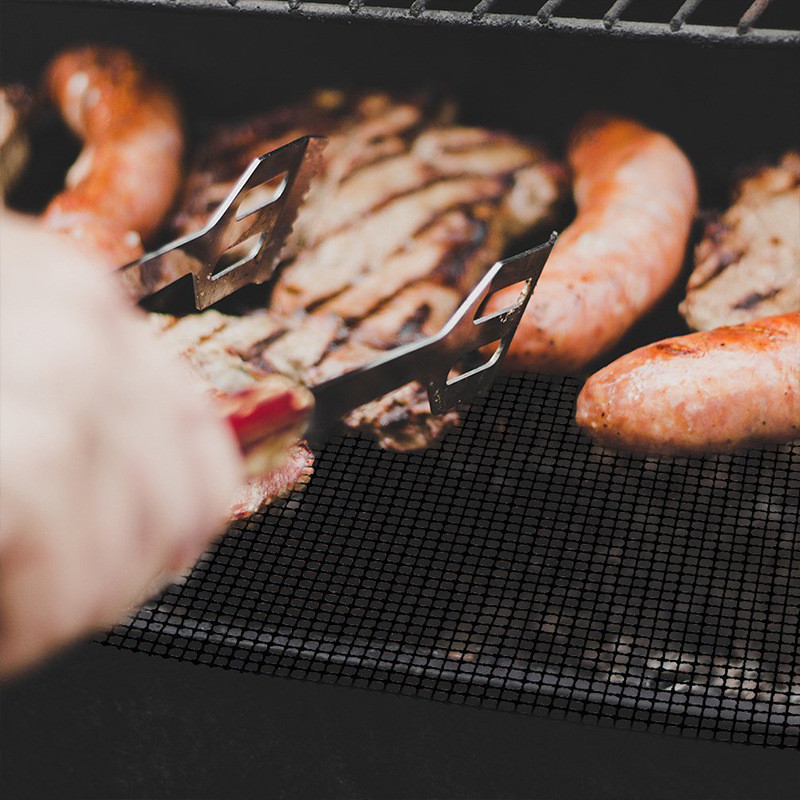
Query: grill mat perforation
{"points": [[517, 566]]}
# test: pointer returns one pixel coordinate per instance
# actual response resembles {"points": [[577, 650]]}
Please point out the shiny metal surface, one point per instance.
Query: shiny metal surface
{"points": [[242, 242]]}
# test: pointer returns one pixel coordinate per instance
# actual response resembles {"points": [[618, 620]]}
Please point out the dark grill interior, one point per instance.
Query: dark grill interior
{"points": [[515, 566]]}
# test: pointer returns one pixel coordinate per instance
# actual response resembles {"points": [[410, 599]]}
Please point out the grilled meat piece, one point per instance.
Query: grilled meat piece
{"points": [[710, 391], [341, 260], [127, 176], [295, 472], [636, 197], [361, 129], [406, 215], [224, 350], [15, 106], [748, 264]]}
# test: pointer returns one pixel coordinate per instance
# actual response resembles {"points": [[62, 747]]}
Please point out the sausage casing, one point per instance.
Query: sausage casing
{"points": [[710, 391], [125, 179], [636, 197]]}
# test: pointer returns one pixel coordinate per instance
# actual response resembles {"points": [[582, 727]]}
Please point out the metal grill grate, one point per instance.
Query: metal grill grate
{"points": [[766, 22], [518, 567]]}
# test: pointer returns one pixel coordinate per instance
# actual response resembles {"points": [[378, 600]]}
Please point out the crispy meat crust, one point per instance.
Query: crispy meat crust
{"points": [[748, 264], [295, 472]]}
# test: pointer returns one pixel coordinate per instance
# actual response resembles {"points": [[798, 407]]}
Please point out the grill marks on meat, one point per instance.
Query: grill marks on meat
{"points": [[300, 348], [223, 351], [434, 155], [341, 259], [748, 264], [378, 210], [431, 252], [365, 189], [405, 217], [419, 310], [361, 129]]}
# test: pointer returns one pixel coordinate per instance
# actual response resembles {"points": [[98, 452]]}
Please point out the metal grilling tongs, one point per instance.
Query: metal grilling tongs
{"points": [[431, 360], [242, 242]]}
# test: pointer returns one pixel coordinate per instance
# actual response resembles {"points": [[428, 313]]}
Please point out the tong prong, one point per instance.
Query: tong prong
{"points": [[223, 233], [477, 331], [445, 392], [203, 254], [521, 267], [492, 327]]}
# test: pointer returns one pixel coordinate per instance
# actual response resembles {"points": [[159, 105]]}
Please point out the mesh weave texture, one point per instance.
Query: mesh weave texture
{"points": [[517, 566]]}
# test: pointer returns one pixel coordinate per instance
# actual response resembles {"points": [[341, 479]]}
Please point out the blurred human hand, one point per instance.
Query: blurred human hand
{"points": [[115, 469]]}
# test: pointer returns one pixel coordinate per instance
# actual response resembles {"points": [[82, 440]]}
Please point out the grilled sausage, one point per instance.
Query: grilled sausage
{"points": [[710, 391], [125, 179], [636, 196]]}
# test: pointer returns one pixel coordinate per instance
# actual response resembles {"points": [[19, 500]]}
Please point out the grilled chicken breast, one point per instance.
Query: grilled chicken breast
{"points": [[748, 264]]}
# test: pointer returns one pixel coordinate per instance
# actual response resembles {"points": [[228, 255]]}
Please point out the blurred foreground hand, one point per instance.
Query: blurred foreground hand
{"points": [[115, 469]]}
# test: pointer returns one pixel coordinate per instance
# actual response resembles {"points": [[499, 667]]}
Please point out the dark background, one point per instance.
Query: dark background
{"points": [[103, 723]]}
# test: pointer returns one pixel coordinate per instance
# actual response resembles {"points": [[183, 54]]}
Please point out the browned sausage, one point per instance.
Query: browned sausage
{"points": [[125, 179], [710, 391], [636, 196]]}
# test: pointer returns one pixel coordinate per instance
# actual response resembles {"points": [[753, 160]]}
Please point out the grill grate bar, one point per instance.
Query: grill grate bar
{"points": [[615, 12], [547, 10], [482, 8], [683, 13], [751, 16], [484, 15]]}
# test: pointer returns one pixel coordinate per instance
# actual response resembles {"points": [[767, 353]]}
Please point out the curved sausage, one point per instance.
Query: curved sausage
{"points": [[125, 179], [710, 391], [636, 197]]}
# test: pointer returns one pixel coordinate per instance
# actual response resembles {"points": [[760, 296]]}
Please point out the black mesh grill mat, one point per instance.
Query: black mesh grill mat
{"points": [[517, 566]]}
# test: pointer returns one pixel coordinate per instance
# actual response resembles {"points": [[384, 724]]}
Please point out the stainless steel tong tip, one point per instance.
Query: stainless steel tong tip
{"points": [[242, 241], [432, 360], [468, 330]]}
